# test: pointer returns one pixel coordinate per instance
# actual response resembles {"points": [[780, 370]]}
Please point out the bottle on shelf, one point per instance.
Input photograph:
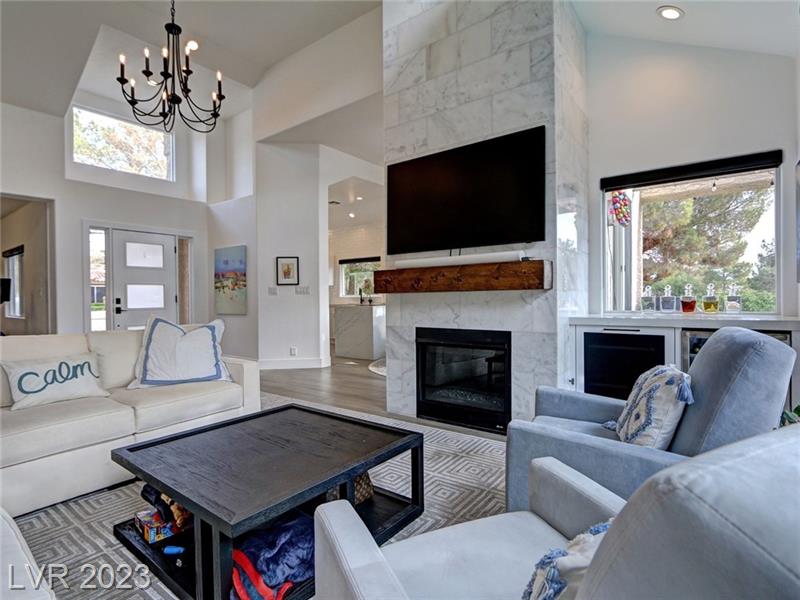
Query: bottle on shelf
{"points": [[710, 300], [688, 301], [648, 301], [733, 301], [668, 301]]}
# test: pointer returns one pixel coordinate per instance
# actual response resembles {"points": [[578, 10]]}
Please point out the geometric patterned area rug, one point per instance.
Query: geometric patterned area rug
{"points": [[464, 480]]}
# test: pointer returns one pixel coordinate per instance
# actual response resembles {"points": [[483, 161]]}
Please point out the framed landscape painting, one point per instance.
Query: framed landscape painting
{"points": [[288, 270], [230, 280]]}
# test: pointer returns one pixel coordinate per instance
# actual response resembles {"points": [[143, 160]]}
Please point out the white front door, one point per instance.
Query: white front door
{"points": [[144, 278]]}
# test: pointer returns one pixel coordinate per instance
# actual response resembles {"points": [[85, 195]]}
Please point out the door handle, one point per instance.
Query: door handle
{"points": [[118, 310]]}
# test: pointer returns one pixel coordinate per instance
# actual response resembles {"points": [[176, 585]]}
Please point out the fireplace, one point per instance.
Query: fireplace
{"points": [[464, 377]]}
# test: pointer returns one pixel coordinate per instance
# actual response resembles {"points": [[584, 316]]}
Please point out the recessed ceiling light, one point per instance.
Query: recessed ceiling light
{"points": [[351, 215], [359, 197], [670, 13]]}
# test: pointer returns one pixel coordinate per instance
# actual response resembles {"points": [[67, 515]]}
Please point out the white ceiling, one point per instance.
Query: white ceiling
{"points": [[45, 45], [766, 26], [371, 210], [356, 129]]}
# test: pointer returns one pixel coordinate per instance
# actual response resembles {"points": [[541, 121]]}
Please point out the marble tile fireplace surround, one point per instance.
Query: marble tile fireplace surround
{"points": [[457, 72], [528, 316]]}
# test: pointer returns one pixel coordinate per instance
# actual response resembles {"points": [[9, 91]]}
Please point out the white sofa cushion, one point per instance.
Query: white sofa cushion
{"points": [[34, 347], [159, 406], [487, 558], [117, 352], [48, 380], [45, 430], [18, 560]]}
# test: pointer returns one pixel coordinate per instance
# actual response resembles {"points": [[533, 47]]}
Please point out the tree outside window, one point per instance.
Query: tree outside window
{"points": [[718, 231], [110, 143]]}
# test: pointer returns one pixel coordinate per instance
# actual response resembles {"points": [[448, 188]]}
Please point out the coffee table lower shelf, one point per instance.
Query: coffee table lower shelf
{"points": [[385, 514]]}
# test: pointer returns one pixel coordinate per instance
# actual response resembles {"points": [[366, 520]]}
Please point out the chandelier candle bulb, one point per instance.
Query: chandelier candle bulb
{"points": [[122, 66], [147, 59]]}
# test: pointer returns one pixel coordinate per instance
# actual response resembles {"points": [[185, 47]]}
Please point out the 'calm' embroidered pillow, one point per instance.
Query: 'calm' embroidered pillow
{"points": [[171, 354], [43, 381], [560, 572], [655, 406]]}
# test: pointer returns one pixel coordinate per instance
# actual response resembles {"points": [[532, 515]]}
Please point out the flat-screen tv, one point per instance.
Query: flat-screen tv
{"points": [[484, 194]]}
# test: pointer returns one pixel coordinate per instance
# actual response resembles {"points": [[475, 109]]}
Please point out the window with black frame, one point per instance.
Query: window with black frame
{"points": [[356, 276], [703, 232]]}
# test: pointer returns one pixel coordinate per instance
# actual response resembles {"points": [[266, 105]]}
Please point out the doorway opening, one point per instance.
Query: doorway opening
{"points": [[26, 227]]}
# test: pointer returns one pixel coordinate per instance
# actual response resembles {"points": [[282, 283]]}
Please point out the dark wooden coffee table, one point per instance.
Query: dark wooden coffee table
{"points": [[239, 474]]}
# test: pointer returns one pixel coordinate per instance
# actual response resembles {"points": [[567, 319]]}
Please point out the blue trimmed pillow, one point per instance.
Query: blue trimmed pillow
{"points": [[560, 572], [171, 354], [654, 408]]}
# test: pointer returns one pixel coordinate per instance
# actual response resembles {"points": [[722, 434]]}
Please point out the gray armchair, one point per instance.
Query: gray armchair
{"points": [[721, 525], [739, 384]]}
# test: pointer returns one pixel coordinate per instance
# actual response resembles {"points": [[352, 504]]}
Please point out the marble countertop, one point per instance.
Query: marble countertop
{"points": [[691, 321]]}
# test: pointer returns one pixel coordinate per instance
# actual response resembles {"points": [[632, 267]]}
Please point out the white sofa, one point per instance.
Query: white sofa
{"points": [[58, 451]]}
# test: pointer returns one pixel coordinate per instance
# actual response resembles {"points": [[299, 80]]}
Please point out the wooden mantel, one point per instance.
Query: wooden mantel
{"points": [[521, 275]]}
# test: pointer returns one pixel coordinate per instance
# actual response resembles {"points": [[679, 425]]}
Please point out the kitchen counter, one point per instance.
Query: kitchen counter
{"points": [[360, 331], [690, 321]]}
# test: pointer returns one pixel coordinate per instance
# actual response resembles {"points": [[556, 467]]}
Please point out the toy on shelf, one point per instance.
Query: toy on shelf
{"points": [[620, 208], [668, 301], [688, 301], [648, 300], [733, 302], [710, 300]]}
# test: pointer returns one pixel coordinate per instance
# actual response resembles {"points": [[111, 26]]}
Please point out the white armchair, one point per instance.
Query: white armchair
{"points": [[721, 525]]}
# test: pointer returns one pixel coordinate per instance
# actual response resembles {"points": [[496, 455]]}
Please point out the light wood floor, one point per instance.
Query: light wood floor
{"points": [[347, 383]]}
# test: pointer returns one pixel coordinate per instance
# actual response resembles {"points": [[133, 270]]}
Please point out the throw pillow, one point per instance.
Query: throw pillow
{"points": [[560, 572], [171, 354], [44, 381], [655, 407]]}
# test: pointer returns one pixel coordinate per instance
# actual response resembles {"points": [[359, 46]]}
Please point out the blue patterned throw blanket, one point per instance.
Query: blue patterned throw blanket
{"points": [[268, 561]]}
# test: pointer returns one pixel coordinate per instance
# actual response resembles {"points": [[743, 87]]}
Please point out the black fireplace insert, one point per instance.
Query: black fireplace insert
{"points": [[464, 377]]}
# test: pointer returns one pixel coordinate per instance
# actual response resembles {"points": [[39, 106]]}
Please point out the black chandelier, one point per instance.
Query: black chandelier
{"points": [[172, 94]]}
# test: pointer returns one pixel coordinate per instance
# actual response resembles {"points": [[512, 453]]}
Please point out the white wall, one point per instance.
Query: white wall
{"points": [[656, 105], [288, 212], [337, 70], [240, 155], [32, 164], [233, 223], [292, 211], [27, 226]]}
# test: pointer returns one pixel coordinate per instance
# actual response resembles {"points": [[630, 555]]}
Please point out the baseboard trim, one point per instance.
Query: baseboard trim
{"points": [[293, 363]]}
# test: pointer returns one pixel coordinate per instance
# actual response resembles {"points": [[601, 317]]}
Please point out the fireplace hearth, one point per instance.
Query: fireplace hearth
{"points": [[464, 377]]}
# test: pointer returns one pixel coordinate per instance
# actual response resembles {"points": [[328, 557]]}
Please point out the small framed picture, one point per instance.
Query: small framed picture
{"points": [[288, 270]]}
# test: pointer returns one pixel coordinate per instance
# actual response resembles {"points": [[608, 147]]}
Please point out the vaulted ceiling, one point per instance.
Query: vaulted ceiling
{"points": [[767, 26], [45, 45]]}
